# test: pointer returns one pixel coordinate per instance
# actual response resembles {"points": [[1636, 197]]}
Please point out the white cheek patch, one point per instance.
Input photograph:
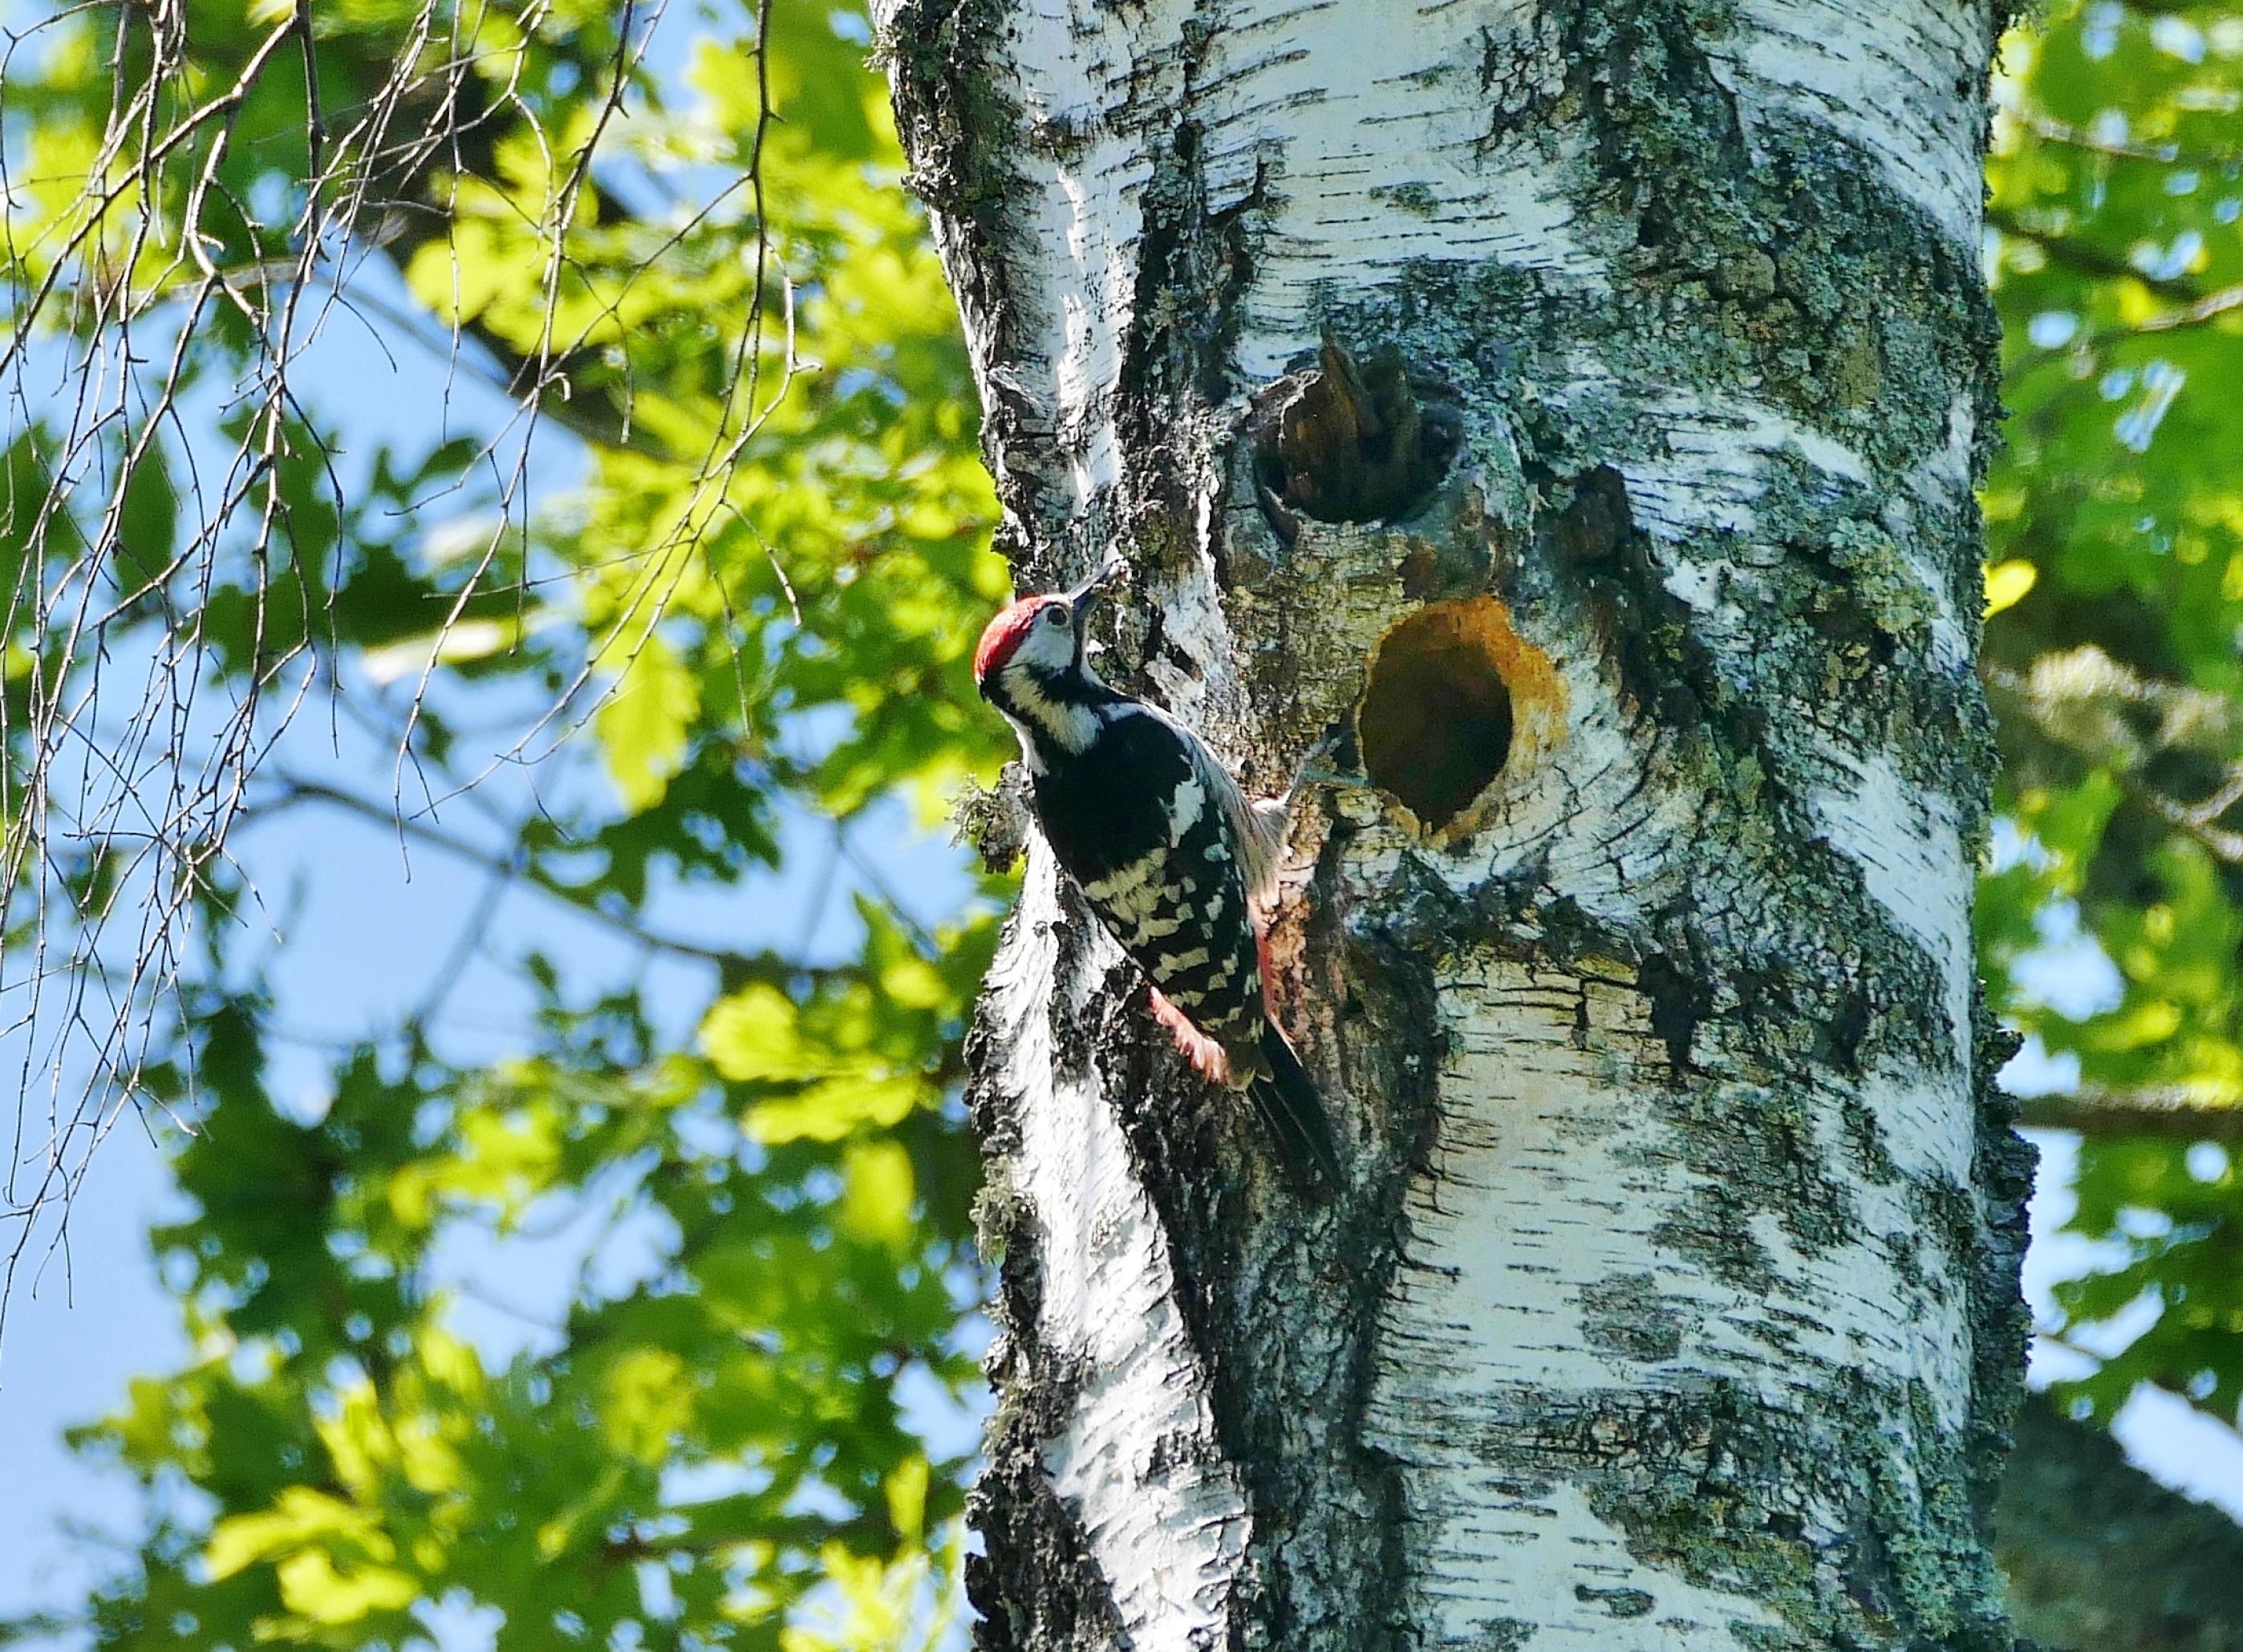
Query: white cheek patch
{"points": [[1072, 728]]}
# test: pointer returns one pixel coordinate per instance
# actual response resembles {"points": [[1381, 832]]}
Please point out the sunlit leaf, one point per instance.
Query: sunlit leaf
{"points": [[644, 725]]}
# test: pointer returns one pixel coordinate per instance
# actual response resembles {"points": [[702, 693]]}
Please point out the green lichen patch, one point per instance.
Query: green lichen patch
{"points": [[1418, 200], [1627, 1316], [1849, 1523]]}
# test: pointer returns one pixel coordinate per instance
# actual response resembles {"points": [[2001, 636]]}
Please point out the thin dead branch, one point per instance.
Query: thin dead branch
{"points": [[163, 627]]}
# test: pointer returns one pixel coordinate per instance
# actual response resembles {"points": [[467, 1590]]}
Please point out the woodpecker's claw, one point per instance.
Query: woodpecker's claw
{"points": [[1316, 769]]}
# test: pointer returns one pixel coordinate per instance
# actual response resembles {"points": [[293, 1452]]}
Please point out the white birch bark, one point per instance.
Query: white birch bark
{"points": [[1673, 1301]]}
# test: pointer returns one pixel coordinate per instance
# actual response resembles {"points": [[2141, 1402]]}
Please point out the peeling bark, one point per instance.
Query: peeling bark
{"points": [[1574, 405]]}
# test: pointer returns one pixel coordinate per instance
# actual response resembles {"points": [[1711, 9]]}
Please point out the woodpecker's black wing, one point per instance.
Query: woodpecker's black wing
{"points": [[1144, 829]]}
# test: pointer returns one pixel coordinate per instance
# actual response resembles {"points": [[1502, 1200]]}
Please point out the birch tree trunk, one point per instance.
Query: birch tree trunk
{"points": [[1625, 525]]}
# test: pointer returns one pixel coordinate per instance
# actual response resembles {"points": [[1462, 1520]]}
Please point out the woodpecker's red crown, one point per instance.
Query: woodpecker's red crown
{"points": [[1005, 634]]}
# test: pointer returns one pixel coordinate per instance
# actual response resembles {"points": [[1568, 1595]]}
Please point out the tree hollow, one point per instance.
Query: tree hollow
{"points": [[1438, 714]]}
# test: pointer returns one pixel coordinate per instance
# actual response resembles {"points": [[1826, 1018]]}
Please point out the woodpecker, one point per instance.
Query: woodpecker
{"points": [[1167, 851]]}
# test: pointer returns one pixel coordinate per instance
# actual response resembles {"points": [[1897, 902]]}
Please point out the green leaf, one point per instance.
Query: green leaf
{"points": [[755, 1033], [875, 1203], [313, 1586], [148, 520], [644, 725], [835, 1107]]}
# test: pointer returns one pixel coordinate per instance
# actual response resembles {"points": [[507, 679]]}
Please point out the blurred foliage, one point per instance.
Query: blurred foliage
{"points": [[755, 599], [2115, 657]]}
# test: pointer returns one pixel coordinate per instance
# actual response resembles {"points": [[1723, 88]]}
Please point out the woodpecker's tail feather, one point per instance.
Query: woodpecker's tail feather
{"points": [[1293, 1112]]}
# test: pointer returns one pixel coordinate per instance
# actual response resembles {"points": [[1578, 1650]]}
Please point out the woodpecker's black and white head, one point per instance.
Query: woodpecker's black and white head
{"points": [[1031, 666]]}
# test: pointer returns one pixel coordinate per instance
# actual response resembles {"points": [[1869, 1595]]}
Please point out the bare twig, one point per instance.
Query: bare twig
{"points": [[732, 966], [191, 653]]}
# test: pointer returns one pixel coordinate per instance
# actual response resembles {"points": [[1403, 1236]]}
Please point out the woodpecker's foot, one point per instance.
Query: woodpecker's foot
{"points": [[1208, 1058], [1316, 768]]}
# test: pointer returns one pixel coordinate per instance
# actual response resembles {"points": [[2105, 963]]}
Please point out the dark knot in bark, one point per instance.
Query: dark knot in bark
{"points": [[1350, 441]]}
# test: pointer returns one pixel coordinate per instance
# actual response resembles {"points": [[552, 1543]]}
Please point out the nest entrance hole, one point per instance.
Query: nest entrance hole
{"points": [[1436, 723]]}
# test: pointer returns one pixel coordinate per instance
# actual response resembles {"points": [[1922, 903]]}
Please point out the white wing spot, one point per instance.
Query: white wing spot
{"points": [[1191, 797]]}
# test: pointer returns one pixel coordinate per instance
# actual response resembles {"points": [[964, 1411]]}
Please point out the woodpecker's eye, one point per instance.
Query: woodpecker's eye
{"points": [[1054, 616]]}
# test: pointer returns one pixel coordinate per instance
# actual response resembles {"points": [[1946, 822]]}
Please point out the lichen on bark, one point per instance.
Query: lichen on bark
{"points": [[1573, 410]]}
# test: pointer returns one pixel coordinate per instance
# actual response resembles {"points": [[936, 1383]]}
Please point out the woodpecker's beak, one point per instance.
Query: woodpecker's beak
{"points": [[1084, 596]]}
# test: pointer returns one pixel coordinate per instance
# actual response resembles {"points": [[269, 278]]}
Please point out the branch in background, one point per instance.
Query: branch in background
{"points": [[2172, 1113], [2210, 307], [2076, 700], [2059, 131], [2084, 260], [2195, 306], [733, 967]]}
